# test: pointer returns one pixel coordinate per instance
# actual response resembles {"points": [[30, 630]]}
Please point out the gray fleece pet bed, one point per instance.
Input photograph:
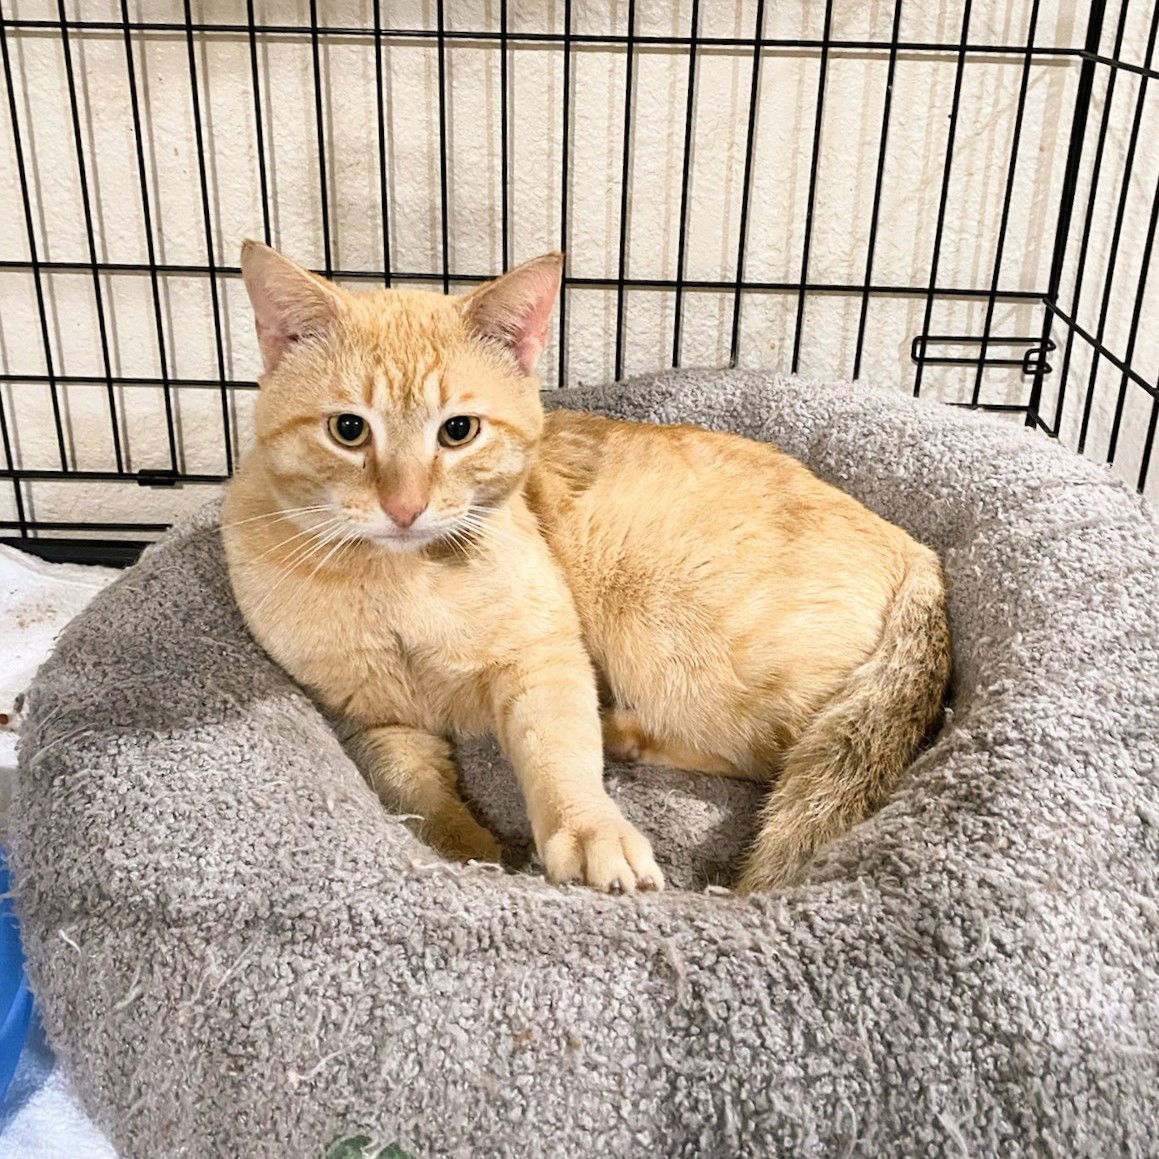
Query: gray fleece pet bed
{"points": [[239, 952]]}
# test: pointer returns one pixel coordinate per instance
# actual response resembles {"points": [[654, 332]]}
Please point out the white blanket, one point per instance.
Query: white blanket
{"points": [[39, 1117]]}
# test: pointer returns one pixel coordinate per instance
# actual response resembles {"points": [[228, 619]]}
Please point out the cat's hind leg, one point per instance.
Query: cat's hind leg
{"points": [[626, 739], [845, 763], [412, 771]]}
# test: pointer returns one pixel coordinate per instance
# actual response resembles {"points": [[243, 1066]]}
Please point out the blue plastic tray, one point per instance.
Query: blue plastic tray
{"points": [[15, 997]]}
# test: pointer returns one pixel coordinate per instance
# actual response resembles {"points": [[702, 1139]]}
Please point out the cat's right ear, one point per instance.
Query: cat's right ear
{"points": [[290, 303]]}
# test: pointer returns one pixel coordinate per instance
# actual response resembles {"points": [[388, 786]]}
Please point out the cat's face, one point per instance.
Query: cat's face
{"points": [[400, 418]]}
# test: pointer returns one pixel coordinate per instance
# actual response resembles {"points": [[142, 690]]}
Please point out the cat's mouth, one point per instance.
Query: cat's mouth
{"points": [[405, 539], [451, 536], [457, 534]]}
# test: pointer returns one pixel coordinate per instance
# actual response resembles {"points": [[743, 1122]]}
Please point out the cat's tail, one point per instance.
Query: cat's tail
{"points": [[852, 752]]}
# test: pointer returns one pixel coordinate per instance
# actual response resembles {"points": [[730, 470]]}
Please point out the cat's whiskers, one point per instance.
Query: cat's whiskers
{"points": [[311, 531], [321, 531], [460, 540], [475, 517], [469, 535], [479, 521], [285, 512], [344, 541], [340, 542], [299, 556]]}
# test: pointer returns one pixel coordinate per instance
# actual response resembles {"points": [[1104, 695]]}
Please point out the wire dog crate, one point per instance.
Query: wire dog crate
{"points": [[957, 200]]}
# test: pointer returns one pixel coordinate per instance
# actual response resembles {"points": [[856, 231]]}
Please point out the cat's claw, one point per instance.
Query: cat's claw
{"points": [[606, 853]]}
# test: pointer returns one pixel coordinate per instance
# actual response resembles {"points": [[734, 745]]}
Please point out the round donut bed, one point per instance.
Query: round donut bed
{"points": [[238, 951]]}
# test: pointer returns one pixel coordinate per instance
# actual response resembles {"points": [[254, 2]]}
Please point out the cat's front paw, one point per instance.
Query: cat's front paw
{"points": [[603, 851]]}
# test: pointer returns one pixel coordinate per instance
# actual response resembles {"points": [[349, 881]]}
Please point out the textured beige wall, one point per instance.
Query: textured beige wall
{"points": [[781, 167]]}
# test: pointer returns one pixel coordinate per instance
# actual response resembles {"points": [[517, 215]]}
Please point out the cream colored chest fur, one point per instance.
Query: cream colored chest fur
{"points": [[381, 641]]}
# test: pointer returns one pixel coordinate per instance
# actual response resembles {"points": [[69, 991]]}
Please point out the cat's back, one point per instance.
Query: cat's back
{"points": [[714, 486]]}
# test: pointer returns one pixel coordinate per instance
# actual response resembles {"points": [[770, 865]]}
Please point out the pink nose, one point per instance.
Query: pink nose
{"points": [[403, 509]]}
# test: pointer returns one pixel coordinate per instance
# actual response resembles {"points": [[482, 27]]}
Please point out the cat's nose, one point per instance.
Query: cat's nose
{"points": [[403, 509]]}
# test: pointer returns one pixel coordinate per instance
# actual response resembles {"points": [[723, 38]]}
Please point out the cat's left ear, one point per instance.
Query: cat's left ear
{"points": [[515, 308]]}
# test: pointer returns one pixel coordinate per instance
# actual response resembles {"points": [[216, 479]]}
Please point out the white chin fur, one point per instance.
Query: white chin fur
{"points": [[403, 543]]}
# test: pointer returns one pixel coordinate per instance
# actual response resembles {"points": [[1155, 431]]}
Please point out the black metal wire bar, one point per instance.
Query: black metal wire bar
{"points": [[91, 238], [1117, 233], [1117, 65], [625, 176], [443, 196], [976, 361], [746, 186], [811, 202], [504, 179], [955, 106], [210, 256], [150, 247], [1067, 196], [255, 82], [46, 476], [34, 264], [561, 360], [102, 476], [1132, 337], [1105, 352], [56, 525], [991, 407], [970, 340], [142, 380], [581, 40], [878, 183], [63, 549], [1007, 197], [681, 244], [383, 183], [320, 130], [920, 352], [1148, 445], [10, 465], [589, 283]]}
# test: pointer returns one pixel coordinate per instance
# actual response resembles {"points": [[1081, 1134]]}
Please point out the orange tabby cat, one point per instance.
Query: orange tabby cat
{"points": [[432, 556]]}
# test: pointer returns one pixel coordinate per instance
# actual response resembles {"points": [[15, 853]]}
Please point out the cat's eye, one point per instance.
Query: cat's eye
{"points": [[349, 430], [458, 431]]}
